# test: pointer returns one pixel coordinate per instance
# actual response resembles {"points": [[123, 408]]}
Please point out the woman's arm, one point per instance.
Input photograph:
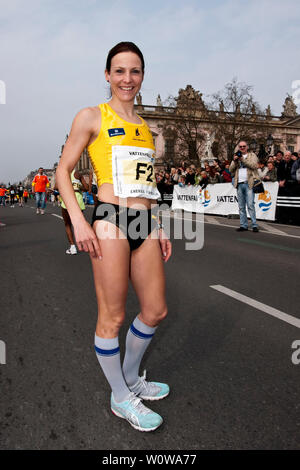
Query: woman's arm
{"points": [[81, 131]]}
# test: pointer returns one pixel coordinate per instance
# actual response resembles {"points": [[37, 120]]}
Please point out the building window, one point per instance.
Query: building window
{"points": [[291, 148], [192, 150], [169, 149], [276, 148]]}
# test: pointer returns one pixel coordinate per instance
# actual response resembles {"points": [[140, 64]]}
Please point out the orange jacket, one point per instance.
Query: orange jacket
{"points": [[40, 182]]}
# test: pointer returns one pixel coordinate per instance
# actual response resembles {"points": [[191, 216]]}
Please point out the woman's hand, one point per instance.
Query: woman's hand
{"points": [[86, 239], [165, 245]]}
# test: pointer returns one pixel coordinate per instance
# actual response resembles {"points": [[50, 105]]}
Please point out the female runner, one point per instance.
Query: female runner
{"points": [[121, 149]]}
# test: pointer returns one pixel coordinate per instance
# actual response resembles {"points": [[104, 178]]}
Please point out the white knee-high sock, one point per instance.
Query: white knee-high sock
{"points": [[108, 354], [138, 339]]}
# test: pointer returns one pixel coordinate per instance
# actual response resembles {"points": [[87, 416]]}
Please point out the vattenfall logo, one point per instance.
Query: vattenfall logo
{"points": [[206, 199], [137, 132], [264, 201]]}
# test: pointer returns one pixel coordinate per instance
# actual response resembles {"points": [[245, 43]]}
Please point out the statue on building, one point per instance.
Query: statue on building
{"points": [[221, 106], [208, 146], [139, 98], [268, 111], [289, 107], [158, 101], [190, 96], [238, 109]]}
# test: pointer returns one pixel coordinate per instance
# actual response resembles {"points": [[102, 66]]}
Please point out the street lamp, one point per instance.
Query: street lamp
{"points": [[253, 145]]}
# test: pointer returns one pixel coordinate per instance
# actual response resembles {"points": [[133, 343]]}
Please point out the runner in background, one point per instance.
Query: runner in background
{"points": [[39, 184], [12, 194], [25, 195], [2, 195], [78, 183], [20, 194]]}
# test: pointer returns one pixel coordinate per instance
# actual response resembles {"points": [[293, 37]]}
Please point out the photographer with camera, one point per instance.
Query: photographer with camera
{"points": [[244, 170]]}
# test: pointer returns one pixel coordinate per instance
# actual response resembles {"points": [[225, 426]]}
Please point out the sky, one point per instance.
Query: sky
{"points": [[53, 54]]}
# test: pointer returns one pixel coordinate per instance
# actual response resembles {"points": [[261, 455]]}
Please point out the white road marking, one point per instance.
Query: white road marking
{"points": [[56, 215], [211, 220], [260, 306], [271, 229], [273, 232]]}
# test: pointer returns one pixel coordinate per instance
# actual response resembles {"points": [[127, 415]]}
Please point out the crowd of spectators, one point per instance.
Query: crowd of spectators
{"points": [[282, 167]]}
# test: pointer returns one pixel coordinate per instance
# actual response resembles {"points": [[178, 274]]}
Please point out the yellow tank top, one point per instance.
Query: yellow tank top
{"points": [[123, 155]]}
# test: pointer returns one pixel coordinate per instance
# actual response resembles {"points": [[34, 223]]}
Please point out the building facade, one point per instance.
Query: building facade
{"points": [[207, 129]]}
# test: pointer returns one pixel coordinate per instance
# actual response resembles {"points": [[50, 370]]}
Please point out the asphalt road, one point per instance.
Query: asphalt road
{"points": [[233, 383]]}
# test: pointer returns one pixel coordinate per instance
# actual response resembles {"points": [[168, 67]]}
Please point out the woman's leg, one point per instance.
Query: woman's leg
{"points": [[68, 226], [148, 279], [111, 275]]}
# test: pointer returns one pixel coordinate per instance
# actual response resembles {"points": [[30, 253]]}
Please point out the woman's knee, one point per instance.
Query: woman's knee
{"points": [[154, 316], [110, 321]]}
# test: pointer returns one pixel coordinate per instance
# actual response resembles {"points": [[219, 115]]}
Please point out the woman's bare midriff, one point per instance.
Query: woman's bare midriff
{"points": [[106, 194]]}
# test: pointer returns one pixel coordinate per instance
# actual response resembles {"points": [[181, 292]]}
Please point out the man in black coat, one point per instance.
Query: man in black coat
{"points": [[284, 171]]}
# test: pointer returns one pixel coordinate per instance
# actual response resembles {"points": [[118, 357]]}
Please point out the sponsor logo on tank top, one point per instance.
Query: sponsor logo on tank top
{"points": [[138, 135], [116, 131]]}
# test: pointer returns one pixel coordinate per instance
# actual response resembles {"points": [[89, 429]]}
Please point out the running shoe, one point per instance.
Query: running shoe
{"points": [[38, 211], [72, 250], [150, 390], [138, 415], [42, 211]]}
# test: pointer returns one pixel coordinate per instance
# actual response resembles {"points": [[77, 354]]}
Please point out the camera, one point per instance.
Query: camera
{"points": [[239, 153]]}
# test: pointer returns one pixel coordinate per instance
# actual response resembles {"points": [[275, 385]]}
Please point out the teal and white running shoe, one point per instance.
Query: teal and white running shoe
{"points": [[138, 415], [150, 390]]}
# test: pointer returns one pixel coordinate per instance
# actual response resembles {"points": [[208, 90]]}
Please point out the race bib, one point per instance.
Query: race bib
{"points": [[133, 172]]}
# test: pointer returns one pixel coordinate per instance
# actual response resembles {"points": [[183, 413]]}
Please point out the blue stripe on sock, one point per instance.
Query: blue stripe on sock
{"points": [[107, 352], [139, 334]]}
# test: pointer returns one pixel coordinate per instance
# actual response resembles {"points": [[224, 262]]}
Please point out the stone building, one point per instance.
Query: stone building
{"points": [[264, 131]]}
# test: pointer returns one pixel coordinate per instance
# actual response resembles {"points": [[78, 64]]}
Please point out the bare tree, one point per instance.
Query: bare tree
{"points": [[239, 116], [183, 135]]}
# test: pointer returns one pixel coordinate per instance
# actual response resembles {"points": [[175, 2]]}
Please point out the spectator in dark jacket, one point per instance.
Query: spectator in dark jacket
{"points": [[295, 172], [168, 185], [271, 174], [294, 157], [284, 170], [278, 158], [190, 176]]}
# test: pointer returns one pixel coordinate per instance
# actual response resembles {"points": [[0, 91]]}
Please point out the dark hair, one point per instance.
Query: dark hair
{"points": [[124, 47], [279, 151], [295, 154]]}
